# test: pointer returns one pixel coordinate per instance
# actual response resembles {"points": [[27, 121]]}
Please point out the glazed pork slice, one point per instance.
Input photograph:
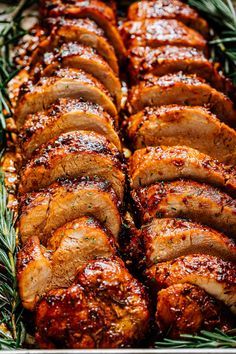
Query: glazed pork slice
{"points": [[66, 115], [65, 83], [187, 199], [83, 31], [164, 163], [188, 309], [95, 10], [155, 33], [195, 127], [43, 212], [171, 59], [57, 8], [212, 274], [105, 308], [79, 56], [181, 89], [74, 154], [168, 9], [169, 238], [71, 247]]}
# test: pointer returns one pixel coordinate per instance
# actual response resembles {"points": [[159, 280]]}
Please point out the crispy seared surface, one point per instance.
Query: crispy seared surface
{"points": [[181, 89], [95, 10], [72, 177], [74, 154], [66, 115], [182, 125], [168, 9], [167, 239], [43, 212], [79, 56], [84, 31], [188, 199], [65, 83], [56, 8], [185, 308], [171, 59], [164, 163], [34, 271], [94, 312], [154, 33], [69, 249], [212, 274]]}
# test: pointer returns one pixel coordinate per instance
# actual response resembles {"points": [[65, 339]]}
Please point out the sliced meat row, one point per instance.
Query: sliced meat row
{"points": [[183, 89], [63, 116], [72, 183], [182, 175], [192, 126], [74, 154]]}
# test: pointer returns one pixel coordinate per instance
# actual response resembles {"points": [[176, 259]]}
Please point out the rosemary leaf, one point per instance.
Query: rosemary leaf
{"points": [[206, 339]]}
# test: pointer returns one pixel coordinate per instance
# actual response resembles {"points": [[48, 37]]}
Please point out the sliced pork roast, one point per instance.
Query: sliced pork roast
{"points": [[79, 56], [171, 59], [166, 239], [104, 308], [188, 309], [178, 234], [164, 163], [43, 212], [65, 83], [181, 89], [84, 31], [66, 115], [188, 199], [74, 154], [95, 10], [172, 125], [212, 274], [168, 9], [154, 33], [70, 248]]}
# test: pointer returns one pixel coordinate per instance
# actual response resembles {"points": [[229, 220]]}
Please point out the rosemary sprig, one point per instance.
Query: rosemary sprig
{"points": [[222, 17], [11, 328], [12, 331], [205, 339], [10, 31]]}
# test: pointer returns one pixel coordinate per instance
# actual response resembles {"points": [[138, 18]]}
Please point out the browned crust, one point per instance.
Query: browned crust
{"points": [[84, 31], [92, 317], [44, 202], [96, 10], [163, 163], [181, 89], [169, 238], [172, 125], [71, 83], [79, 56], [63, 157], [168, 9], [187, 199], [55, 8], [171, 59], [71, 246], [64, 116], [168, 273], [154, 33], [187, 309]]}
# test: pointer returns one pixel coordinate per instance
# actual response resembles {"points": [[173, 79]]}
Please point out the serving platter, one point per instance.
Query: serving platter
{"points": [[228, 66]]}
